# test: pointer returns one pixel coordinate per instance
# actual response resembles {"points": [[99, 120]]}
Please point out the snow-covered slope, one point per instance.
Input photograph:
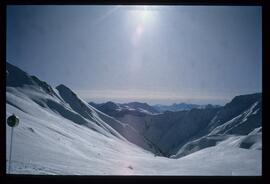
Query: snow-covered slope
{"points": [[245, 127], [173, 129], [236, 107], [169, 130], [32, 92], [251, 141], [59, 133], [243, 123], [65, 103]]}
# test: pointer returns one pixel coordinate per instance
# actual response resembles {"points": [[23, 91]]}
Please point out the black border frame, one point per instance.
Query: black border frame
{"points": [[17, 178]]}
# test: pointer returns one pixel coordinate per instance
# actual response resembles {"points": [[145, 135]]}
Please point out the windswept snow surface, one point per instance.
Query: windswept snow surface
{"points": [[60, 134]]}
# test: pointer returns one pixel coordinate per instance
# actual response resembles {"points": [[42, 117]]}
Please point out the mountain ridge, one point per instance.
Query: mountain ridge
{"points": [[169, 140], [63, 101]]}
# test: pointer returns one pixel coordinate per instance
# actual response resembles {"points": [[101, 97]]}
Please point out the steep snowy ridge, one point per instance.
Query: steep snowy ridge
{"points": [[18, 78], [243, 129], [31, 90], [84, 109], [119, 129], [67, 104], [251, 141], [243, 123], [237, 106]]}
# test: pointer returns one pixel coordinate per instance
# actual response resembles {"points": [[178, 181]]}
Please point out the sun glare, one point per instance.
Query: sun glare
{"points": [[145, 14], [142, 14]]}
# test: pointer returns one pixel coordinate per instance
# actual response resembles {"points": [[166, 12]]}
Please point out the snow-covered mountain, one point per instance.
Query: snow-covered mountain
{"points": [[238, 121], [59, 133], [143, 107], [138, 108], [251, 141], [119, 110], [62, 101], [166, 131], [170, 131], [243, 110]]}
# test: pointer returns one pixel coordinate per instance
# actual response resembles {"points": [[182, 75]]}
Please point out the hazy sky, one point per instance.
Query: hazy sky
{"points": [[154, 54]]}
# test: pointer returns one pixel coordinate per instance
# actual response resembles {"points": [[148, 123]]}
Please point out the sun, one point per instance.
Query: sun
{"points": [[143, 22], [145, 14], [142, 14]]}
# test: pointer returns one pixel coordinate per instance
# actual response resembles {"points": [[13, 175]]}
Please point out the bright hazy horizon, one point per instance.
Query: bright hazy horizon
{"points": [[153, 54]]}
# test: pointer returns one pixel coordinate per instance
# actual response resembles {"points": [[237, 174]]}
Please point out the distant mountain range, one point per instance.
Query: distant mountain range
{"points": [[118, 109], [181, 107]]}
